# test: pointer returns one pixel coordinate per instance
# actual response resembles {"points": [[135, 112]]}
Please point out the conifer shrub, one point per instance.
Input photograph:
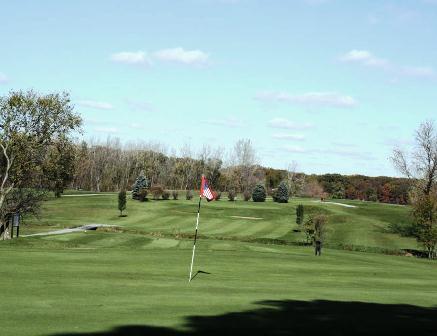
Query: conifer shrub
{"points": [[259, 193], [122, 201], [189, 195], [140, 183], [299, 214], [282, 193]]}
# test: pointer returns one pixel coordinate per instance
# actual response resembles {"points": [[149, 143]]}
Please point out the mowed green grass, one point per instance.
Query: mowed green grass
{"points": [[366, 225], [97, 281], [104, 280]]}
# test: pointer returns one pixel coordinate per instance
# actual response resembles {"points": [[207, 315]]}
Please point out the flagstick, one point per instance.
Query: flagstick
{"points": [[195, 238]]}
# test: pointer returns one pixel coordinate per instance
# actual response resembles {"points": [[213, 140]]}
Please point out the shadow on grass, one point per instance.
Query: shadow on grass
{"points": [[198, 272], [319, 318]]}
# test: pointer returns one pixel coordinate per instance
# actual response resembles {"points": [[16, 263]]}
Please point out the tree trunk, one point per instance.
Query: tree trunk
{"points": [[6, 234]]}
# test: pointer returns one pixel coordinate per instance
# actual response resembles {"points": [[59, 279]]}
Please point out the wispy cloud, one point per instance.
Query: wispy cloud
{"points": [[294, 137], [180, 55], [315, 2], [351, 154], [366, 58], [422, 72], [140, 105], [103, 129], [294, 149], [171, 55], [321, 99], [131, 57], [3, 78], [287, 124], [95, 105], [227, 122]]}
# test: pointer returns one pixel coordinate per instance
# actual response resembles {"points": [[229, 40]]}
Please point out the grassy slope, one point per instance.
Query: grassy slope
{"points": [[365, 225], [96, 281]]}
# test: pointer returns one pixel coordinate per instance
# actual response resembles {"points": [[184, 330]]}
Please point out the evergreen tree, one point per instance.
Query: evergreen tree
{"points": [[299, 214], [282, 195], [122, 201], [259, 193], [140, 183]]}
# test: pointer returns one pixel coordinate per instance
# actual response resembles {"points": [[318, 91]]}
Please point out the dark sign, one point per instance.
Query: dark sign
{"points": [[16, 220]]}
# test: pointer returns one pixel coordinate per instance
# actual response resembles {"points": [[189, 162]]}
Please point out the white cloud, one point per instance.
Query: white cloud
{"points": [[324, 99], [227, 122], [352, 154], [139, 105], [364, 57], [3, 78], [136, 125], [102, 129], [180, 55], [316, 2], [424, 72], [286, 124], [95, 105], [296, 137], [132, 58], [294, 149]]}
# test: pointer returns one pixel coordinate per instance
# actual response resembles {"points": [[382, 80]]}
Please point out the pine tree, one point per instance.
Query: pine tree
{"points": [[299, 214], [122, 201], [282, 194], [140, 183], [259, 193]]}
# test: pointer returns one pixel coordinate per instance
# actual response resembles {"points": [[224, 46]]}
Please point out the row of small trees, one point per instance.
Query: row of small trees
{"points": [[142, 187]]}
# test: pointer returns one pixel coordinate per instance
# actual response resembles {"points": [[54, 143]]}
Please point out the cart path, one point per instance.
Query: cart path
{"points": [[85, 195], [336, 203], [72, 230]]}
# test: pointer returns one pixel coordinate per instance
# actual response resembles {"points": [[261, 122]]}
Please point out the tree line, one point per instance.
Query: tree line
{"points": [[39, 153], [112, 166]]}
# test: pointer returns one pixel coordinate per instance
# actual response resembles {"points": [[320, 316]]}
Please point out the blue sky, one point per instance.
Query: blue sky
{"points": [[332, 85]]}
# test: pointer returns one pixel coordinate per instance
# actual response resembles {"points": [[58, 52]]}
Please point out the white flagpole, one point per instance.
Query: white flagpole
{"points": [[195, 238]]}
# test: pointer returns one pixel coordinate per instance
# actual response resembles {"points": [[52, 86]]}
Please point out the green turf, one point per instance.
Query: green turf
{"points": [[366, 225], [107, 281]]}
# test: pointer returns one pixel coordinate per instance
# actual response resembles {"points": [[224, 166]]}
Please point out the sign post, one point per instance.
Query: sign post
{"points": [[16, 223]]}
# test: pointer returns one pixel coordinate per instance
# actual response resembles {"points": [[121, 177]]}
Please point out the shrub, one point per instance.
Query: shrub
{"points": [[282, 194], [157, 191], [166, 195], [299, 214], [218, 195], [259, 193], [142, 195], [247, 195], [315, 227], [231, 195], [274, 193], [189, 195], [175, 194], [140, 183], [122, 201]]}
